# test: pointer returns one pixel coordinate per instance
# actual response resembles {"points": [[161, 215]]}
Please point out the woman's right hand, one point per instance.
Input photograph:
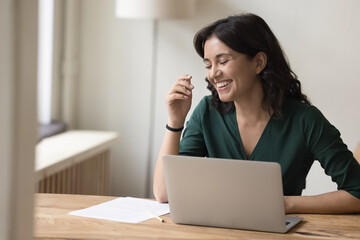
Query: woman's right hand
{"points": [[178, 101]]}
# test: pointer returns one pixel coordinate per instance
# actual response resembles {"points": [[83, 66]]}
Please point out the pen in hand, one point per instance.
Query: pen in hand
{"points": [[154, 215]]}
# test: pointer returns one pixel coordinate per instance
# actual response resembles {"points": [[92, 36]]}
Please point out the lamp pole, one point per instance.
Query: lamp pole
{"points": [[152, 109]]}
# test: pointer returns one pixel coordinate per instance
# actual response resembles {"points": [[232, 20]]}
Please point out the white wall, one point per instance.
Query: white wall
{"points": [[320, 38], [115, 72]]}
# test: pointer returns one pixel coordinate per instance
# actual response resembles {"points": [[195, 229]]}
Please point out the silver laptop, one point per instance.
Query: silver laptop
{"points": [[226, 193]]}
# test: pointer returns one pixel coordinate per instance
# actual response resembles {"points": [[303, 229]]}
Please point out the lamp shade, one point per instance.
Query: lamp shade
{"points": [[154, 9]]}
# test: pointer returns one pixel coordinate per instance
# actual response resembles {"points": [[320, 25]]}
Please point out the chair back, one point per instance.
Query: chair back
{"points": [[357, 153]]}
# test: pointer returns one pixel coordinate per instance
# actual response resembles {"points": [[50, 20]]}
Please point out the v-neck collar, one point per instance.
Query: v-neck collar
{"points": [[258, 144]]}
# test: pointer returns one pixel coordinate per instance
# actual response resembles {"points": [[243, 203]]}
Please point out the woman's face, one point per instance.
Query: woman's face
{"points": [[232, 74]]}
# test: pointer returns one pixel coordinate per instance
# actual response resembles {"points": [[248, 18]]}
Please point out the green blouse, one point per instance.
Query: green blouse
{"points": [[302, 135]]}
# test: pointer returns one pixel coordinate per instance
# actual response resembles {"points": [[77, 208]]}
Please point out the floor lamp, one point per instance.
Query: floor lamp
{"points": [[153, 10]]}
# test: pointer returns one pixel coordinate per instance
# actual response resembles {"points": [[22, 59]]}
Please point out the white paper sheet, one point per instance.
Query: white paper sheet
{"points": [[128, 209]]}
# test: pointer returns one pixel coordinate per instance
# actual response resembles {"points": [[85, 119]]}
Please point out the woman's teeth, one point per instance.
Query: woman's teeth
{"points": [[222, 84]]}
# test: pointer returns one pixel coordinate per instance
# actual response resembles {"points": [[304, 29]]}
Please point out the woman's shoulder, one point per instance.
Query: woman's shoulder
{"points": [[205, 104], [205, 109], [300, 109], [305, 114], [206, 100]]}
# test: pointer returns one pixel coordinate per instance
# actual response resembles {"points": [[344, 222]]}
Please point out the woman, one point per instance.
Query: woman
{"points": [[257, 112]]}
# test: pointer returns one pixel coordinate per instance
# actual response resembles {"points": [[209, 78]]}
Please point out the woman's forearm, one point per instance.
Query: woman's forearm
{"points": [[333, 202], [178, 101], [170, 146]]}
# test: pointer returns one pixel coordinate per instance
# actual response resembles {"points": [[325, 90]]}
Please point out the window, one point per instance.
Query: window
{"points": [[47, 127]]}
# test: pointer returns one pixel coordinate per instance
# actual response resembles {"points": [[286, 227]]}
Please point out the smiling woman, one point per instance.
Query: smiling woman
{"points": [[277, 79], [257, 111]]}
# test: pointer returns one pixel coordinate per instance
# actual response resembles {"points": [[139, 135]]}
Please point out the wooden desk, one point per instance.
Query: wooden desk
{"points": [[52, 222]]}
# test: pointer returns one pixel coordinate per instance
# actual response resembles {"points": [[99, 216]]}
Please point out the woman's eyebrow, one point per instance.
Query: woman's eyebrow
{"points": [[217, 56]]}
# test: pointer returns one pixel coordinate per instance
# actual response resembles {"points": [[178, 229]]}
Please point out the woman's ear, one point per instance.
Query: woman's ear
{"points": [[261, 61]]}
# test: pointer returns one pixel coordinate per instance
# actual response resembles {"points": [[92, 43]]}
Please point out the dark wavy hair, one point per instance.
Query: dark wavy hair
{"points": [[249, 34]]}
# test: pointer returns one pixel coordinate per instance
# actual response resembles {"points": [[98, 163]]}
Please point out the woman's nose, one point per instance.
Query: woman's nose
{"points": [[215, 73]]}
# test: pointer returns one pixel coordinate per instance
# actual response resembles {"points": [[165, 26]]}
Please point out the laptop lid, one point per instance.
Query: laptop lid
{"points": [[226, 193]]}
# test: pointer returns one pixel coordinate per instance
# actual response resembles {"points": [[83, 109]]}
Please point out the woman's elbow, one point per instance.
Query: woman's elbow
{"points": [[161, 199], [161, 196]]}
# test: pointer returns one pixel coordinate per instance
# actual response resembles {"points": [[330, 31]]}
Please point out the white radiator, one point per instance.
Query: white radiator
{"points": [[75, 162], [91, 176]]}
